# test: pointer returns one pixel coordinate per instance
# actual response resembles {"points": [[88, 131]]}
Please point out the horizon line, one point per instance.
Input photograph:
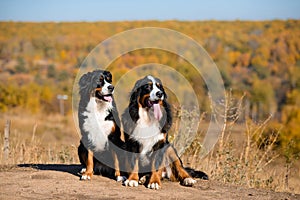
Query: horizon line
{"points": [[151, 20]]}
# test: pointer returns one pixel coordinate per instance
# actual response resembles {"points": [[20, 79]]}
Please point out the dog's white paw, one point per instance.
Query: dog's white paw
{"points": [[189, 182], [142, 180], [121, 178], [85, 177], [164, 175], [82, 170], [154, 186], [131, 183]]}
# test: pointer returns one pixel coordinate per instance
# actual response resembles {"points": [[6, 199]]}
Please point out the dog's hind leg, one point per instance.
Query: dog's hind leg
{"points": [[178, 171]]}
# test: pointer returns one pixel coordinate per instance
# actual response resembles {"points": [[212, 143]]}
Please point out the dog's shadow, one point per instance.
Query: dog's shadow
{"points": [[73, 169]]}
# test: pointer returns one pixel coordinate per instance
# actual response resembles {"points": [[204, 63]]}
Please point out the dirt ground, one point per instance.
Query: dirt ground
{"points": [[57, 181]]}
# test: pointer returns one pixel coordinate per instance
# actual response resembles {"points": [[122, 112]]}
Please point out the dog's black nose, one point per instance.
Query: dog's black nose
{"points": [[110, 88], [159, 94]]}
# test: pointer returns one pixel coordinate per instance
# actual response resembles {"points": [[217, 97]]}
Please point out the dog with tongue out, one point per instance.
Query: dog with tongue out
{"points": [[99, 126], [146, 122]]}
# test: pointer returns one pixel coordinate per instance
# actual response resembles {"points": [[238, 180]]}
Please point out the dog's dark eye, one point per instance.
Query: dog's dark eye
{"points": [[108, 79], [108, 76]]}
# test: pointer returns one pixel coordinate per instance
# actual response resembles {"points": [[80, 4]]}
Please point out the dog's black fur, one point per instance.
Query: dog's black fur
{"points": [[131, 113], [91, 85], [162, 155]]}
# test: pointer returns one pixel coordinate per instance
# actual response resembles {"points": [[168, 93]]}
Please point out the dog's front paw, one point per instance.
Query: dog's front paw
{"points": [[188, 182], [120, 178], [82, 170], [86, 176], [155, 186], [131, 183]]}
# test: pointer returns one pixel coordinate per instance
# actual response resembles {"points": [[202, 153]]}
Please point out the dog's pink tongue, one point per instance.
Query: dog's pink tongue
{"points": [[157, 111], [108, 98]]}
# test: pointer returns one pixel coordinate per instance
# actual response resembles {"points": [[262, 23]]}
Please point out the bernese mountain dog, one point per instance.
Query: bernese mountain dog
{"points": [[98, 123], [146, 122]]}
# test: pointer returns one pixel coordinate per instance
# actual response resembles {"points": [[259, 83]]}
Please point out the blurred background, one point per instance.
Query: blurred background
{"points": [[255, 45]]}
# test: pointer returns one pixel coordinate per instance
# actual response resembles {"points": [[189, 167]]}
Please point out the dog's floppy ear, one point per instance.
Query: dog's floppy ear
{"points": [[131, 114], [85, 79], [135, 92], [167, 122], [133, 103], [84, 82]]}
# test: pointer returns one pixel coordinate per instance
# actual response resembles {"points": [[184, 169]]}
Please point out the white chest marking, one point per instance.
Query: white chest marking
{"points": [[147, 131], [95, 125]]}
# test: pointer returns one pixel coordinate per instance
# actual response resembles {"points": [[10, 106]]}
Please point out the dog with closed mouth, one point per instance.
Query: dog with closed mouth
{"points": [[146, 122], [99, 125]]}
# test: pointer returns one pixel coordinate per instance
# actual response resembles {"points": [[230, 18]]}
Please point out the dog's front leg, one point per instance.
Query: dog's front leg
{"points": [[155, 179], [156, 171], [116, 160], [87, 175], [133, 177]]}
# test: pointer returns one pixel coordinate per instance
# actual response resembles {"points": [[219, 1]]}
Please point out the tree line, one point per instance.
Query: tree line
{"points": [[262, 59]]}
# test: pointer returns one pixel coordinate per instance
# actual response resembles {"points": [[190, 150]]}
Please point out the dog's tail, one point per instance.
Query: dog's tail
{"points": [[196, 174]]}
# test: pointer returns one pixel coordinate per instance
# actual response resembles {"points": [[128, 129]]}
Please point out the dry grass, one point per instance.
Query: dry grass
{"points": [[242, 156], [39, 139]]}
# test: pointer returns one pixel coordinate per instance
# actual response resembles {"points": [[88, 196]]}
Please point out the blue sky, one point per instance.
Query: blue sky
{"points": [[118, 10]]}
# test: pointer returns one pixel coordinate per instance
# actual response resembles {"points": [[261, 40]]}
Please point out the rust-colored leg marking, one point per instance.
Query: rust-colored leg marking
{"points": [[155, 180], [89, 166], [133, 178], [177, 169], [156, 175], [180, 171], [134, 173], [116, 164]]}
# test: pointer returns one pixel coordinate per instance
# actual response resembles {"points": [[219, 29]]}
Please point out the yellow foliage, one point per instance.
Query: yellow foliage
{"points": [[291, 121], [233, 57], [63, 54], [258, 60]]}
